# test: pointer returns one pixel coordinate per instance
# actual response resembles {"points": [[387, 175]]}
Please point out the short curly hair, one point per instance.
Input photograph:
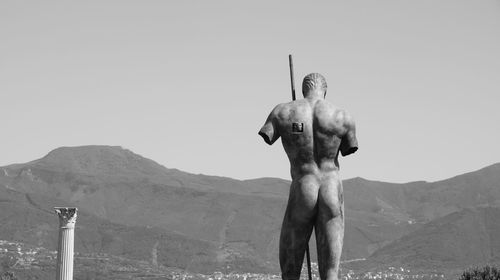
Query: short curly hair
{"points": [[314, 81]]}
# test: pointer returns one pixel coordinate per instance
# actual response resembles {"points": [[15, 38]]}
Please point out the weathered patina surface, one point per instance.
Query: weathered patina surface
{"points": [[313, 132]]}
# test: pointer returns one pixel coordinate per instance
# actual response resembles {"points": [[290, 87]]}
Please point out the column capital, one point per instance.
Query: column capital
{"points": [[67, 216]]}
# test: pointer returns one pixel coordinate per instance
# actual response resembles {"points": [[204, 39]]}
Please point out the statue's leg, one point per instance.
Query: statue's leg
{"points": [[330, 228], [297, 226]]}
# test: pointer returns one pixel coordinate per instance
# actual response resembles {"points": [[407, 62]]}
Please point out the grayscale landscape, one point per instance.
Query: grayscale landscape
{"points": [[145, 115], [140, 220]]}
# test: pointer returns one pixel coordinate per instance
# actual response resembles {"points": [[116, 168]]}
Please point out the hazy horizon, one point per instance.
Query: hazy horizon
{"points": [[189, 84]]}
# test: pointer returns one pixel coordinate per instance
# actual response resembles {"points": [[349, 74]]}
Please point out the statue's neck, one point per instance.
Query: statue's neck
{"points": [[315, 94]]}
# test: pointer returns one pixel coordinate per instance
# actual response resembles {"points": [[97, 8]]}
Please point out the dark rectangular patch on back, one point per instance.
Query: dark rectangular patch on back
{"points": [[297, 127]]}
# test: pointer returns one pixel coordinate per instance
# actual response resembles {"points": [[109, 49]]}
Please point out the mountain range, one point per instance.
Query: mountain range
{"points": [[133, 207]]}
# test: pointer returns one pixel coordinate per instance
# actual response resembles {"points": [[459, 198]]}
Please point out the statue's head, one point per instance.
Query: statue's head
{"points": [[314, 83]]}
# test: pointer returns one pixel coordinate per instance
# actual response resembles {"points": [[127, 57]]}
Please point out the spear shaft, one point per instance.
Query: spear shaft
{"points": [[290, 61], [308, 255]]}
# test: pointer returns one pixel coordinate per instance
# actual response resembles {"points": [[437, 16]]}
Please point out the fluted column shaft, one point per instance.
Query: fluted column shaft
{"points": [[65, 252]]}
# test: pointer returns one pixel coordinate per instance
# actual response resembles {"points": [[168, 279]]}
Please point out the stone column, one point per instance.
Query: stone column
{"points": [[65, 250]]}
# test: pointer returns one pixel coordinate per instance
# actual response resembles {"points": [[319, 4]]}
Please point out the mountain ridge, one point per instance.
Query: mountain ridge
{"points": [[116, 149], [241, 217]]}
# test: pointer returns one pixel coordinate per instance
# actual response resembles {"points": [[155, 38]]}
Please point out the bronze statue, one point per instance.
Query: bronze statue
{"points": [[313, 132]]}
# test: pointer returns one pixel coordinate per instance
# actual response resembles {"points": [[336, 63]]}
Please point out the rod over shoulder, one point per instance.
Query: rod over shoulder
{"points": [[290, 60]]}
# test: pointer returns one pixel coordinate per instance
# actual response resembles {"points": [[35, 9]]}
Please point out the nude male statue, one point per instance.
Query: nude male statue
{"points": [[313, 132]]}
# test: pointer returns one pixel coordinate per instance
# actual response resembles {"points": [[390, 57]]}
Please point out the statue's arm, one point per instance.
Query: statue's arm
{"points": [[269, 130], [349, 144]]}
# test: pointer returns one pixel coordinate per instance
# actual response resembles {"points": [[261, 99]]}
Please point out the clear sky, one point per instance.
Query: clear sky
{"points": [[189, 84]]}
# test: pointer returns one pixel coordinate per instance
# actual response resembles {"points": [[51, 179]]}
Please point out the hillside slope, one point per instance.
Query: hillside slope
{"points": [[234, 219], [30, 218], [466, 238], [118, 185]]}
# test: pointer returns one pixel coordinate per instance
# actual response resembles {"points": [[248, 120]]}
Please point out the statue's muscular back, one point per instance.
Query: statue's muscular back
{"points": [[313, 132]]}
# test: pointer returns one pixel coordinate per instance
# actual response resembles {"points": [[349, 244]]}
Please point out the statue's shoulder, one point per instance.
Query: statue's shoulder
{"points": [[279, 110], [325, 104], [285, 107], [343, 117], [326, 109], [340, 116]]}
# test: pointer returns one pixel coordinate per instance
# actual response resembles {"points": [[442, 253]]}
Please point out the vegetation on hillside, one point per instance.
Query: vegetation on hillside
{"points": [[484, 273], [8, 276]]}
